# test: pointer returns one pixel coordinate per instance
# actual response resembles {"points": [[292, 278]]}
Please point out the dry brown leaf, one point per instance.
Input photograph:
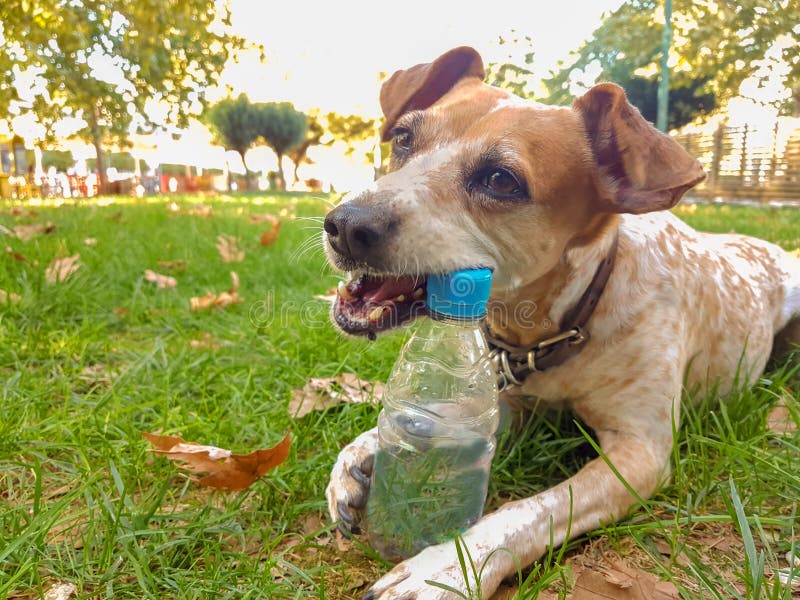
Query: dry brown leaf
{"points": [[60, 591], [201, 210], [18, 211], [90, 241], [321, 393], [328, 296], [97, 373], [620, 581], [173, 265], [228, 249], [161, 281], [16, 255], [221, 300], [117, 216], [780, 420], [61, 268], [268, 237], [26, 232], [8, 297], [205, 341], [217, 467], [264, 218]]}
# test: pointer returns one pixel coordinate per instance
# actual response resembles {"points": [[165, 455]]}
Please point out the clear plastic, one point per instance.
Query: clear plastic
{"points": [[436, 439]]}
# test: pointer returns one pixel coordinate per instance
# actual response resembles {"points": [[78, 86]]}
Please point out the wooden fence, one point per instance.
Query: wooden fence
{"points": [[745, 162]]}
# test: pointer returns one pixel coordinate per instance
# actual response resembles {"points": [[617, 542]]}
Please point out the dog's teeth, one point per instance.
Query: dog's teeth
{"points": [[344, 293], [376, 313], [400, 298], [418, 293]]}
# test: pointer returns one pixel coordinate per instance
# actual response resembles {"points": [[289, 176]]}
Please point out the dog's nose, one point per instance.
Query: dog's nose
{"points": [[354, 231]]}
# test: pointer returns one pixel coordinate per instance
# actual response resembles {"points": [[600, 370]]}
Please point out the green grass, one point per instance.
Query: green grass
{"points": [[83, 500]]}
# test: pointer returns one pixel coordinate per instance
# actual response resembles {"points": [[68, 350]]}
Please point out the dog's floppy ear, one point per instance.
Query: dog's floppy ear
{"points": [[420, 86], [641, 169]]}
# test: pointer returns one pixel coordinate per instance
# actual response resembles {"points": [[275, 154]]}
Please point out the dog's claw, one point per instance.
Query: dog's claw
{"points": [[344, 512], [360, 476]]}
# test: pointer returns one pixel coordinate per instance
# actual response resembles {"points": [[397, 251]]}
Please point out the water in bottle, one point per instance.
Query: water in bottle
{"points": [[437, 427]]}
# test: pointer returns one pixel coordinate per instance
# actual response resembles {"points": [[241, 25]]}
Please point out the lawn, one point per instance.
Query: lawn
{"points": [[88, 363]]}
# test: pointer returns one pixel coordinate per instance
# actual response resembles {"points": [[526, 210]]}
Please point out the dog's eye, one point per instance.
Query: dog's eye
{"points": [[500, 182], [401, 140]]}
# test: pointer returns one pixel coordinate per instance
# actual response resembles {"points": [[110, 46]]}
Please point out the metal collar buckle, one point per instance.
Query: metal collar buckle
{"points": [[509, 374]]}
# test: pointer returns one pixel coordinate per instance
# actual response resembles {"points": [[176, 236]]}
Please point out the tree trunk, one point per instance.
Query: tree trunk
{"points": [[246, 172], [97, 140], [229, 176], [281, 178]]}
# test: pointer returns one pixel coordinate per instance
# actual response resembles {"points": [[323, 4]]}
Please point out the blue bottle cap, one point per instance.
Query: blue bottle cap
{"points": [[461, 294]]}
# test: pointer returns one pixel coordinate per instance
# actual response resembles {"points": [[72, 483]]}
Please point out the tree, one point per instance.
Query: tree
{"points": [[235, 124], [719, 44], [314, 133], [60, 159], [109, 63], [351, 130], [283, 129], [510, 75]]}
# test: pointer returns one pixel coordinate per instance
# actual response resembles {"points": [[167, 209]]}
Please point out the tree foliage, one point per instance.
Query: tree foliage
{"points": [[235, 124], [716, 46], [510, 75], [283, 128], [110, 63]]}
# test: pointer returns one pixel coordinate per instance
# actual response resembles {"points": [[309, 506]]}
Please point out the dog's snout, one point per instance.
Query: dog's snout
{"points": [[354, 231]]}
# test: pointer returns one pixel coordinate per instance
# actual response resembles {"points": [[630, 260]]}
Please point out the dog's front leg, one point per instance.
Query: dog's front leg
{"points": [[349, 484], [519, 532]]}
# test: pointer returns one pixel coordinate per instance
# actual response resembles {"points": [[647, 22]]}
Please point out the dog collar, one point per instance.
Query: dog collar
{"points": [[514, 363]]}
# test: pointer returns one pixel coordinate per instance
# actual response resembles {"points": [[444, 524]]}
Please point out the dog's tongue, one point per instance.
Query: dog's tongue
{"points": [[391, 287]]}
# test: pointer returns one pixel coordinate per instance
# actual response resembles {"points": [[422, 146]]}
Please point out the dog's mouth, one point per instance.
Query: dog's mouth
{"points": [[369, 304]]}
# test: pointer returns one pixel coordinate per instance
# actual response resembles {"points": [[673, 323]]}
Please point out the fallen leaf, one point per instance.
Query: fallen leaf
{"points": [[217, 467], [61, 268], [205, 341], [26, 232], [228, 250], [268, 237], [8, 297], [16, 255], [796, 252], [201, 210], [90, 242], [117, 216], [321, 393], [221, 300], [328, 296], [18, 211], [60, 591], [264, 218], [780, 419], [173, 265], [120, 312], [161, 281], [619, 581], [98, 373]]}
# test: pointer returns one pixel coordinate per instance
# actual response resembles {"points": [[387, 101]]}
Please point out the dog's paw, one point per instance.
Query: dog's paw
{"points": [[412, 579], [348, 488]]}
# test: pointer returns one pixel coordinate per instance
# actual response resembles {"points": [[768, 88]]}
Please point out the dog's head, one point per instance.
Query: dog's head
{"points": [[481, 178]]}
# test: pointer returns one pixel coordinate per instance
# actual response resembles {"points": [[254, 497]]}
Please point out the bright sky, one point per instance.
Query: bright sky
{"points": [[329, 53]]}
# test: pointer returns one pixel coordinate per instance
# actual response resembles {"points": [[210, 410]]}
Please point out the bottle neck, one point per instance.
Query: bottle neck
{"points": [[452, 320]]}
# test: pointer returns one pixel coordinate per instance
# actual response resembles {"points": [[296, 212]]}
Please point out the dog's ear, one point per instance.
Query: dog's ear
{"points": [[420, 86], [641, 169]]}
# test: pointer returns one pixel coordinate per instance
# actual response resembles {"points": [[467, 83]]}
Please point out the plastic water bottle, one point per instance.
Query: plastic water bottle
{"points": [[437, 427]]}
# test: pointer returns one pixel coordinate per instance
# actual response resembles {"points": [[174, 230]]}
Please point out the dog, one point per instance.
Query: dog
{"points": [[568, 207]]}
